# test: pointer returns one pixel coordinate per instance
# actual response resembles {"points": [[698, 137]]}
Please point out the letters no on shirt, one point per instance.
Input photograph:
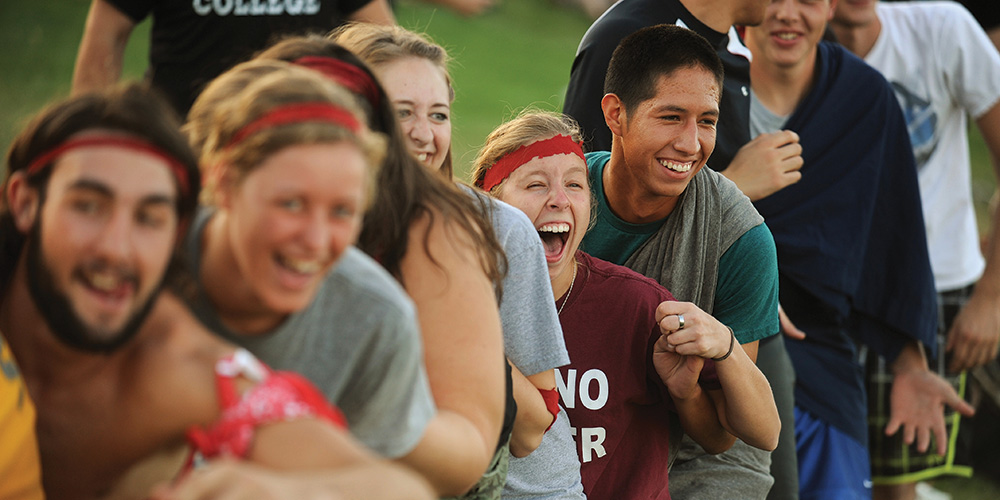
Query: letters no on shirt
{"points": [[590, 440]]}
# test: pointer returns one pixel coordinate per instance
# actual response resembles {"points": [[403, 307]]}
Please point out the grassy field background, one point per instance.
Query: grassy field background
{"points": [[517, 55]]}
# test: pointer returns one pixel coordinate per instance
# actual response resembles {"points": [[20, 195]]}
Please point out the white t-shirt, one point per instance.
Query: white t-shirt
{"points": [[943, 69]]}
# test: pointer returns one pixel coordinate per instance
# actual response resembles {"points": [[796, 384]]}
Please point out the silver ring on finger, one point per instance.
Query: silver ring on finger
{"points": [[680, 321]]}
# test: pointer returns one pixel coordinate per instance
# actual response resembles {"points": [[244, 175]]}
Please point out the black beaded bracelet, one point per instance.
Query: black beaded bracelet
{"points": [[732, 343]]}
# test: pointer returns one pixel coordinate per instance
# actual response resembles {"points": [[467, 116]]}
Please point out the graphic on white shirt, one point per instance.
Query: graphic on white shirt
{"points": [[921, 122]]}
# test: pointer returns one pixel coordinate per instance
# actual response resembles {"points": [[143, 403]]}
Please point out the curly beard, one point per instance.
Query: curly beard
{"points": [[59, 314]]}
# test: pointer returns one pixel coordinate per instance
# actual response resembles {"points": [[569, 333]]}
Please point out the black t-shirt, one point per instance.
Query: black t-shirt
{"points": [[586, 81], [193, 41]]}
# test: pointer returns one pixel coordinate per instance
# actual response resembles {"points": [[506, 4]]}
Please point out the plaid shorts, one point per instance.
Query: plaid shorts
{"points": [[893, 462]]}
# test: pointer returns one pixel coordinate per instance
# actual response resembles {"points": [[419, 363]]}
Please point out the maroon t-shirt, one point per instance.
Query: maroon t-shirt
{"points": [[616, 403]]}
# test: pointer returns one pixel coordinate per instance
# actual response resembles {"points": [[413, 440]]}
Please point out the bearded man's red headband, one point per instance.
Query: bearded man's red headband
{"points": [[117, 141]]}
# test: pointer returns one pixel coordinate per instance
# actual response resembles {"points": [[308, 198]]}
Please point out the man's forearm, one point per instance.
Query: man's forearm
{"points": [[102, 49]]}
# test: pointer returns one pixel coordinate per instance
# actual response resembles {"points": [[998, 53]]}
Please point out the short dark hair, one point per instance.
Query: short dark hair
{"points": [[133, 109], [644, 56]]}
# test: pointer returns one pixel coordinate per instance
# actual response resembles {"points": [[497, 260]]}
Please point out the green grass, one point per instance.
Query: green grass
{"points": [[36, 66], [518, 55], [977, 488]]}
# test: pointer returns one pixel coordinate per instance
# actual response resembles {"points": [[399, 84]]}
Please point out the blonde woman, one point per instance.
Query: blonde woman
{"points": [[414, 72], [637, 355]]}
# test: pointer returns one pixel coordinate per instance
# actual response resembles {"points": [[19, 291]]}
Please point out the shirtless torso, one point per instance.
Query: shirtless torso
{"points": [[119, 420]]}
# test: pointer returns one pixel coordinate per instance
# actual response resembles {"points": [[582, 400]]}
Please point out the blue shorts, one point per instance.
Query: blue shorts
{"points": [[832, 465]]}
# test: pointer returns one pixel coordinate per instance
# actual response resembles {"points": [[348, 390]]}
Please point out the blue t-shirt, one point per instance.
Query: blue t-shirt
{"points": [[746, 296]]}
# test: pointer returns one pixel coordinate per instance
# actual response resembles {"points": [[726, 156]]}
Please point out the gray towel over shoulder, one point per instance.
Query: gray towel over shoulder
{"points": [[683, 255]]}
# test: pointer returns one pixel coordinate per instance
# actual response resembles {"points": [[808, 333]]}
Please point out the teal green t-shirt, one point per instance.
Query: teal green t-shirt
{"points": [[746, 297]]}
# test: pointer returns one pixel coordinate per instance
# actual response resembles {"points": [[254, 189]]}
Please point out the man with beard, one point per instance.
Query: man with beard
{"points": [[99, 187]]}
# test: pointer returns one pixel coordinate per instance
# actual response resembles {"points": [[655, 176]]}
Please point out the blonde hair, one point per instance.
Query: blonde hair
{"points": [[531, 125], [377, 44], [248, 91]]}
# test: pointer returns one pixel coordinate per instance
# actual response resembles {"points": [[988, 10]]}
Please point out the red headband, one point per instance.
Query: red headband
{"points": [[299, 113], [560, 144], [180, 173], [344, 73]]}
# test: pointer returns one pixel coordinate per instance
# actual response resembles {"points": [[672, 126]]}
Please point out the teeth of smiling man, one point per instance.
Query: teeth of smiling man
{"points": [[302, 266], [677, 167], [104, 281], [555, 227], [787, 36]]}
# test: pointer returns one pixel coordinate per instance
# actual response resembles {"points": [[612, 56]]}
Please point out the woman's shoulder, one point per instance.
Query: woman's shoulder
{"points": [[442, 240]]}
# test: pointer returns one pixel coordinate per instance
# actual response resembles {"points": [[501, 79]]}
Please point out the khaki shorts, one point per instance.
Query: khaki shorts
{"points": [[491, 484]]}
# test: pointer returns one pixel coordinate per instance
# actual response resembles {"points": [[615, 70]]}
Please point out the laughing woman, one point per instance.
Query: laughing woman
{"points": [[434, 239], [636, 354], [414, 72], [277, 273]]}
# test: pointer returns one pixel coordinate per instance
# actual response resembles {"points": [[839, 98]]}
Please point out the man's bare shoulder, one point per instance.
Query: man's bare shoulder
{"points": [[129, 424], [173, 336], [171, 369]]}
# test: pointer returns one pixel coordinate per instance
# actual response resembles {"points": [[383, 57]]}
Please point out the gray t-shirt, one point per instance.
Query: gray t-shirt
{"points": [[534, 343], [358, 341], [550, 472], [532, 337], [762, 120]]}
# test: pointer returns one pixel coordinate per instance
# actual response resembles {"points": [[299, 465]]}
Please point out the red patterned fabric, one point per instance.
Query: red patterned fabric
{"points": [[277, 397]]}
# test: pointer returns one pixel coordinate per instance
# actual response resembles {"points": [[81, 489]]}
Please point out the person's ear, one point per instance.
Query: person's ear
{"points": [[22, 200], [833, 9], [220, 181], [614, 113]]}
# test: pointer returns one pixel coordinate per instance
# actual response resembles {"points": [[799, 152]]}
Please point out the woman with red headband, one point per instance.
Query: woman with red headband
{"points": [[290, 168], [632, 363], [433, 239], [414, 73]]}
